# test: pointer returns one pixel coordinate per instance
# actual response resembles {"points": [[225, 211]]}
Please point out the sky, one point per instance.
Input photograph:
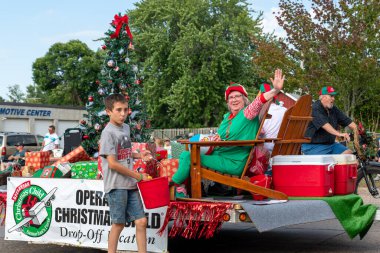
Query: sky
{"points": [[29, 28]]}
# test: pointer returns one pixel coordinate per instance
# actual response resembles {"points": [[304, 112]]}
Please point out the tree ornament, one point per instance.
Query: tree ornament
{"points": [[104, 47], [101, 92], [109, 81], [138, 81], [83, 122], [85, 137], [102, 113], [123, 86], [147, 124], [97, 82], [111, 63], [97, 126], [131, 47], [116, 68], [103, 72], [129, 111], [90, 98], [89, 105], [138, 126], [135, 68], [127, 60], [121, 51]]}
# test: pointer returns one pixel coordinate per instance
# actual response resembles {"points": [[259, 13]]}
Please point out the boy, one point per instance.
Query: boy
{"points": [[119, 178]]}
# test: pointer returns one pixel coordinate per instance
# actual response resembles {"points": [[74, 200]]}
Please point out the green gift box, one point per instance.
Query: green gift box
{"points": [[84, 170]]}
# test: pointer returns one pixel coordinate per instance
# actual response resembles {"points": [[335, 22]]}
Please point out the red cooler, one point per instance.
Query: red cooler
{"points": [[304, 175], [345, 173]]}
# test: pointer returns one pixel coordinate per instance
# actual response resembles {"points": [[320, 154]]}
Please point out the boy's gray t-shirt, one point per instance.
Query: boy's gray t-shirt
{"points": [[116, 141]]}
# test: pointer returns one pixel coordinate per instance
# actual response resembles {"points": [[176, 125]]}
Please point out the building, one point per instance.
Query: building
{"points": [[36, 118]]}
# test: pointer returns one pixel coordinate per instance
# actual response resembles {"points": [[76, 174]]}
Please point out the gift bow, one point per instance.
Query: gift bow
{"points": [[118, 22]]}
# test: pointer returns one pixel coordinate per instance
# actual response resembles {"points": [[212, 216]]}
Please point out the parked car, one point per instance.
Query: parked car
{"points": [[9, 139]]}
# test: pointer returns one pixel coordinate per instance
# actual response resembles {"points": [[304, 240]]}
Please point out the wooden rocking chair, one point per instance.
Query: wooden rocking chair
{"points": [[290, 138]]}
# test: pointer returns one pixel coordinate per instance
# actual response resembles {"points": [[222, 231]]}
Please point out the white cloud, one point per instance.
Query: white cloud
{"points": [[270, 24]]}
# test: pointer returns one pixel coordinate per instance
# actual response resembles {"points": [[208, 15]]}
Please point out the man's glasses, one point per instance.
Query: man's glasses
{"points": [[234, 97]]}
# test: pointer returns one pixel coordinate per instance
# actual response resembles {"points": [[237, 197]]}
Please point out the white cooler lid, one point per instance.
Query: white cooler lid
{"points": [[302, 159], [344, 158]]}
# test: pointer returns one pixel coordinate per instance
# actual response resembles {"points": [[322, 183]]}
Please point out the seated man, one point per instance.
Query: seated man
{"points": [[18, 157], [323, 128]]}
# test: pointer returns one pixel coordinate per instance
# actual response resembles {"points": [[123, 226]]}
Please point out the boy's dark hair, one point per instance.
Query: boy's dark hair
{"points": [[112, 99], [52, 127]]}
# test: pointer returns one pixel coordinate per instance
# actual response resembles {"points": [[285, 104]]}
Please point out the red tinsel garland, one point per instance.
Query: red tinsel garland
{"points": [[3, 205], [195, 219]]}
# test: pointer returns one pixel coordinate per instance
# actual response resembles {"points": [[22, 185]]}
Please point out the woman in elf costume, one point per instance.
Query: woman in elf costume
{"points": [[240, 123]]}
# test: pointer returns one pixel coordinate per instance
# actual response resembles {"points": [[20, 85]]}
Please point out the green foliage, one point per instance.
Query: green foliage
{"points": [[339, 46], [16, 94], [119, 73], [191, 51], [65, 72], [35, 95]]}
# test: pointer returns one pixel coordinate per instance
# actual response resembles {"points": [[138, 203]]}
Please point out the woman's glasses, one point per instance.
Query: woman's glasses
{"points": [[234, 97]]}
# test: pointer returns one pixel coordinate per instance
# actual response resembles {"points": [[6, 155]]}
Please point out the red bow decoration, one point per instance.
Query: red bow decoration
{"points": [[118, 22]]}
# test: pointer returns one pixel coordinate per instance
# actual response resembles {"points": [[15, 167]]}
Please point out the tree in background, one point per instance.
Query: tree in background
{"points": [[35, 95], [270, 54], [15, 94], [66, 72], [191, 51], [337, 43], [119, 74]]}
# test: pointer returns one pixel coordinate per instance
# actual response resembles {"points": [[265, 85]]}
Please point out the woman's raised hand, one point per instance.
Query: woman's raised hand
{"points": [[278, 81]]}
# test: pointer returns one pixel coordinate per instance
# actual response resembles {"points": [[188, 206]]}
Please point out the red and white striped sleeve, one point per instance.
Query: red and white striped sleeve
{"points": [[253, 109]]}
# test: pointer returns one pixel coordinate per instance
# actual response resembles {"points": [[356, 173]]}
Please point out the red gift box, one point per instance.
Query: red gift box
{"points": [[138, 147], [38, 159], [168, 167], [77, 155]]}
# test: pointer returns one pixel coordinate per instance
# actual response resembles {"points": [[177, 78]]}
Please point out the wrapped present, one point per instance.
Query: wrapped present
{"points": [[138, 147], [149, 167], [65, 168], [37, 159], [48, 172], [84, 170], [78, 154], [27, 171], [100, 168], [168, 167]]}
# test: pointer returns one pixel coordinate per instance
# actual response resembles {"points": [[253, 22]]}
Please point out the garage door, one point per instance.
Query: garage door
{"points": [[62, 126], [15, 125], [41, 126]]}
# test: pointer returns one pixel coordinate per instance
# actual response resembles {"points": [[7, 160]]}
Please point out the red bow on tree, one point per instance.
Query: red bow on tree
{"points": [[118, 22]]}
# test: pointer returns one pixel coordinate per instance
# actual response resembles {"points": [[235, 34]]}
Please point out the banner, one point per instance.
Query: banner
{"points": [[71, 211]]}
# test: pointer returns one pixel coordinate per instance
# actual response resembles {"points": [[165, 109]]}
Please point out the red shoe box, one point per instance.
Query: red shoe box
{"points": [[345, 173], [304, 175]]}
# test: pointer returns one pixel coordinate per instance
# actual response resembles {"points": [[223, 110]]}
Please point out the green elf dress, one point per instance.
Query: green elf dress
{"points": [[229, 160]]}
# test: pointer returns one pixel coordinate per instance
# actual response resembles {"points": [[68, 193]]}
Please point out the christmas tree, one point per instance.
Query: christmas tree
{"points": [[119, 74]]}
